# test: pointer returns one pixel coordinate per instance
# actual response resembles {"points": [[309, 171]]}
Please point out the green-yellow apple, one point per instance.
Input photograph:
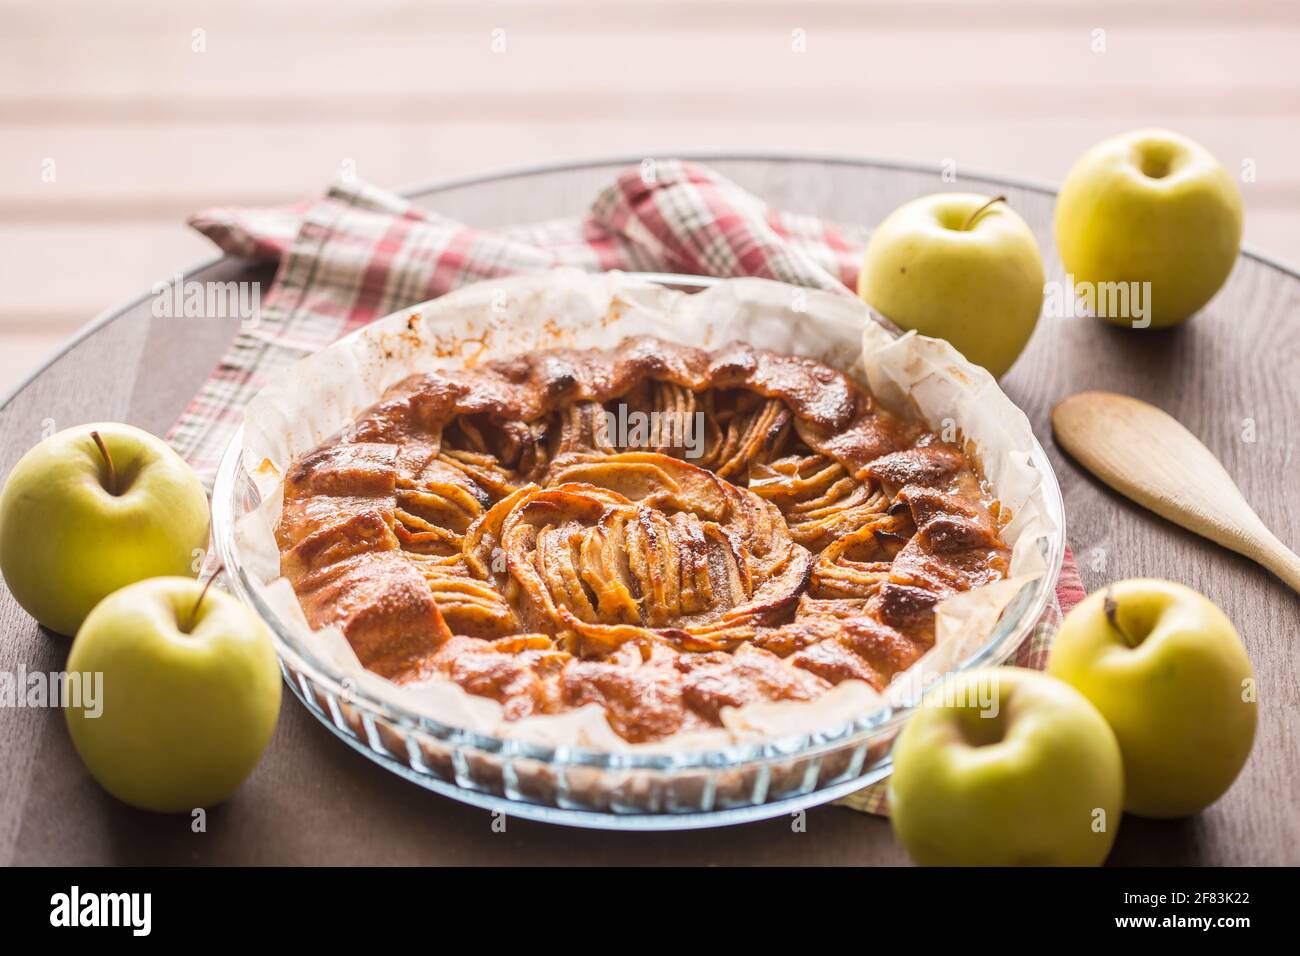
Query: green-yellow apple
{"points": [[959, 267], [1004, 767], [82, 516], [1168, 671], [190, 694], [1148, 206]]}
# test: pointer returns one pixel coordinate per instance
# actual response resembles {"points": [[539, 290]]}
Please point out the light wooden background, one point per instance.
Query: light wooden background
{"points": [[117, 118]]}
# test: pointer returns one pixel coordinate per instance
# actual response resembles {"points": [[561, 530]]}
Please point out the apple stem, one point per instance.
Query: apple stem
{"points": [[1111, 607], [108, 461], [982, 209], [194, 614]]}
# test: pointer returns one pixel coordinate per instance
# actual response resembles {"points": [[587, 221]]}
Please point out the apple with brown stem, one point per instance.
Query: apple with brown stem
{"points": [[92, 509]]}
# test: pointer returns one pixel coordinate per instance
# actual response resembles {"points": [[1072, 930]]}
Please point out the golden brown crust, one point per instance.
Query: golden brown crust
{"points": [[771, 533]]}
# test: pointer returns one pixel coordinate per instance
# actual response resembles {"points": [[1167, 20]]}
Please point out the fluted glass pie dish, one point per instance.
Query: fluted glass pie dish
{"points": [[616, 789]]}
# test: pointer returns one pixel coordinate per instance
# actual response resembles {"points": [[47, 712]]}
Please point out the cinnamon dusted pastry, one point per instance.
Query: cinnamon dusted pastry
{"points": [[658, 530]]}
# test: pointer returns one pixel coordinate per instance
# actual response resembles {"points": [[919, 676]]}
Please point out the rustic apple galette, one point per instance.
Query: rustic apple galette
{"points": [[661, 531]]}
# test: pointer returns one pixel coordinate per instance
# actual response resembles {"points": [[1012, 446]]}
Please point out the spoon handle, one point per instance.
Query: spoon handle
{"points": [[1282, 561], [1148, 456]]}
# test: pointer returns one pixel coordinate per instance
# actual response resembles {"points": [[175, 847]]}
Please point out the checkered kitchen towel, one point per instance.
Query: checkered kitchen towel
{"points": [[358, 253]]}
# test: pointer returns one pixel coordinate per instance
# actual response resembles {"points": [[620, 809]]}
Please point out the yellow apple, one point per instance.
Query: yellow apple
{"points": [[1006, 766], [1149, 206], [190, 694], [960, 267], [1168, 671], [92, 509]]}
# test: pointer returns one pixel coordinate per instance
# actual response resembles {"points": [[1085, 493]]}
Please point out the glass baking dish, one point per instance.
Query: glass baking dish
{"points": [[630, 791]]}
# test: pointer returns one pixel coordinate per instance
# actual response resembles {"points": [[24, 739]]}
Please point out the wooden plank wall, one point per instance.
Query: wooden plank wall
{"points": [[142, 126]]}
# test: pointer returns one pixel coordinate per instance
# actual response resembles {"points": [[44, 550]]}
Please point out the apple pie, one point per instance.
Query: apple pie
{"points": [[662, 531]]}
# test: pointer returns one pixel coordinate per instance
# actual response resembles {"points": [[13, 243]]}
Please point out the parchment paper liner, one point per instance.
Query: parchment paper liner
{"points": [[927, 377]]}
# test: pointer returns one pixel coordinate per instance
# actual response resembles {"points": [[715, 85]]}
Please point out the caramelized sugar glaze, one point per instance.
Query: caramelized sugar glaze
{"points": [[486, 526]]}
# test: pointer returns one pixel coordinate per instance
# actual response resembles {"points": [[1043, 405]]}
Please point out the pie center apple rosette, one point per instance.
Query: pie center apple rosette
{"points": [[763, 531]]}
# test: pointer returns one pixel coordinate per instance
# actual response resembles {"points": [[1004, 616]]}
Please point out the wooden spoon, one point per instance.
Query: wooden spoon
{"points": [[1148, 456]]}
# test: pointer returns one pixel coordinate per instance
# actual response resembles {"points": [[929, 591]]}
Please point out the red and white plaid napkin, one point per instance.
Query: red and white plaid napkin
{"points": [[359, 253]]}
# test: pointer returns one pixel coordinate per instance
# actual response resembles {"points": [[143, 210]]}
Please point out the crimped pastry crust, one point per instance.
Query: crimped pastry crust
{"points": [[487, 526]]}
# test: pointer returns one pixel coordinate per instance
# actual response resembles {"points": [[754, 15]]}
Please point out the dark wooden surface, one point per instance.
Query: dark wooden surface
{"points": [[1230, 375]]}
